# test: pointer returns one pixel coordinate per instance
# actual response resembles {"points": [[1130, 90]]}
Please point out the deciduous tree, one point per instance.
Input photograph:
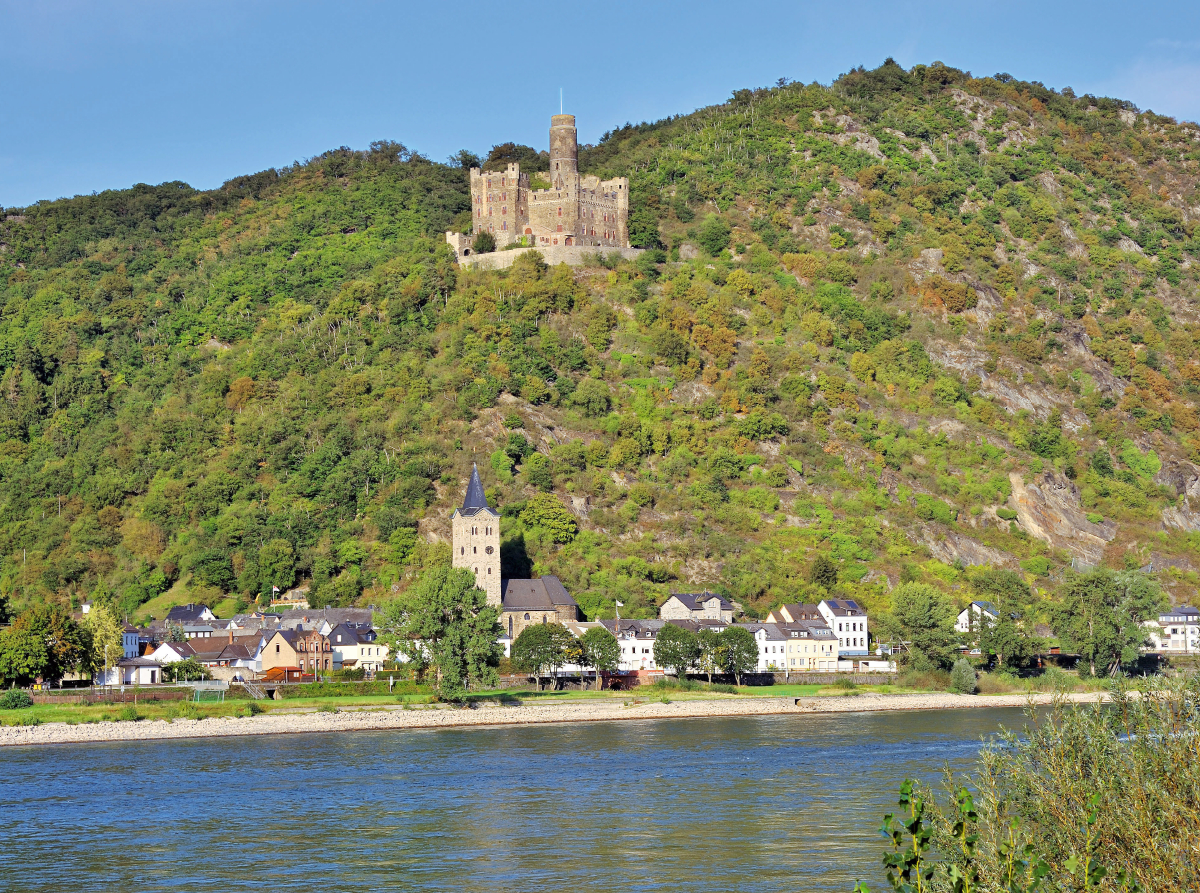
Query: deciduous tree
{"points": [[676, 649], [1099, 615], [450, 617], [739, 651], [601, 650], [921, 627]]}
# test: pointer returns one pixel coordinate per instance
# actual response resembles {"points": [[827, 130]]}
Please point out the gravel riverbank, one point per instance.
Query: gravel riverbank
{"points": [[355, 720]]}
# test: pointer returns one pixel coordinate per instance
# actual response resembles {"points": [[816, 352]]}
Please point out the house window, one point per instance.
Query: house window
{"points": [[276, 649], [527, 616]]}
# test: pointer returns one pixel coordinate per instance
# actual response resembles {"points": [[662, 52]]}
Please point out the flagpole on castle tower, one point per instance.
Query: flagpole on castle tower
{"points": [[560, 105]]}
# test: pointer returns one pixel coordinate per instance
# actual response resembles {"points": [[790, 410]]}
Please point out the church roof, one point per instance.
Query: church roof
{"points": [[544, 593], [476, 500]]}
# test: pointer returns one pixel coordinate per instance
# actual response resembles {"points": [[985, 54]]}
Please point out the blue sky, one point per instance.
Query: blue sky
{"points": [[96, 96]]}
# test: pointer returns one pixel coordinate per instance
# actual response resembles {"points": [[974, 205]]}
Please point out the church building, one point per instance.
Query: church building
{"points": [[475, 530]]}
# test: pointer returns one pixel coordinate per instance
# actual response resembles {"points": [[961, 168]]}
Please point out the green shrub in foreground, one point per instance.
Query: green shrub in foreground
{"points": [[1086, 798], [962, 678], [15, 699]]}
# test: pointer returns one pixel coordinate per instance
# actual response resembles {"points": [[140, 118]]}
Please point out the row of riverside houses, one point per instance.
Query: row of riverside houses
{"points": [[273, 646], [828, 637]]}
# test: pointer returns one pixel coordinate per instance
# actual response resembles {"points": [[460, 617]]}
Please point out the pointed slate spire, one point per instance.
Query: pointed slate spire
{"points": [[475, 499]]}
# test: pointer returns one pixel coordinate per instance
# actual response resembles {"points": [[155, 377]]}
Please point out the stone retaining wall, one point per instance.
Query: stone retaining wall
{"points": [[572, 255], [131, 693]]}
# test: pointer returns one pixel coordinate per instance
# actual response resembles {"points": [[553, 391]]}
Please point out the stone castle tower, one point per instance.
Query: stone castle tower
{"points": [[475, 534], [575, 210]]}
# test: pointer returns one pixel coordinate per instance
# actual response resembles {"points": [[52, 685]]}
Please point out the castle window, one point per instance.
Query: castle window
{"points": [[462, 550], [560, 227], [504, 210], [560, 212], [489, 570], [474, 550], [526, 616]]}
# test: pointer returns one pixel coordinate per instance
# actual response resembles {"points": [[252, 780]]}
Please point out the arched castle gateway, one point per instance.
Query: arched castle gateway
{"points": [[475, 532], [575, 211]]}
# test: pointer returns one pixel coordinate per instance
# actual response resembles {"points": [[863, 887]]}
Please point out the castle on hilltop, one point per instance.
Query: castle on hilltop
{"points": [[475, 535], [573, 211]]}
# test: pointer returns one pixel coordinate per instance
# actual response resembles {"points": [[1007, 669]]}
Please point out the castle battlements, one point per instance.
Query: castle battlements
{"points": [[575, 211]]}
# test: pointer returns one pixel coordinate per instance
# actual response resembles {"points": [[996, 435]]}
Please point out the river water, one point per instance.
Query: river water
{"points": [[788, 803]]}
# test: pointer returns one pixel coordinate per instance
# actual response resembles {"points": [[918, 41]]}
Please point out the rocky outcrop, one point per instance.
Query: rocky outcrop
{"points": [[1184, 516], [1184, 479], [953, 548], [1048, 508]]}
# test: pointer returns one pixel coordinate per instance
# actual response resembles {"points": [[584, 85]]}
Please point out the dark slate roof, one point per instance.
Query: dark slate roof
{"points": [[642, 629], [694, 601], [312, 617], [843, 607], [350, 635], [186, 613], [476, 500], [544, 593], [987, 606], [802, 611], [138, 662]]}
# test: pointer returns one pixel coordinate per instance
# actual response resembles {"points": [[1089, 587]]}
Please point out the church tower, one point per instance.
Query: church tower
{"points": [[476, 538]]}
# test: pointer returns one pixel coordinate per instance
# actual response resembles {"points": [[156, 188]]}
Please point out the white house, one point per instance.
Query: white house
{"points": [[129, 641], [1176, 632], [356, 646], [849, 623], [772, 644], [636, 638], [970, 617], [131, 671]]}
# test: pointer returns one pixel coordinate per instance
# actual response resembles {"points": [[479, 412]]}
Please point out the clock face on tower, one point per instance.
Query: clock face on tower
{"points": [[489, 550]]}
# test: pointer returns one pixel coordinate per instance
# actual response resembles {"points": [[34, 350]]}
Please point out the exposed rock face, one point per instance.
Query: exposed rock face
{"points": [[953, 548], [1049, 509], [1184, 479], [1184, 516]]}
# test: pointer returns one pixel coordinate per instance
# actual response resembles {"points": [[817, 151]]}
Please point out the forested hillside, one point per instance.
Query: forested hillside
{"points": [[914, 321]]}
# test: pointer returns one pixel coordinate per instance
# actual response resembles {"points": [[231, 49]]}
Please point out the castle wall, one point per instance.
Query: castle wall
{"points": [[575, 211], [572, 255]]}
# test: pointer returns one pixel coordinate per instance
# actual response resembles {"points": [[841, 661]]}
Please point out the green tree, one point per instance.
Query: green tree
{"points": [[920, 627], [592, 397], [102, 635], [22, 655], [277, 564], [450, 617], [713, 234], [1006, 636], [739, 651], [601, 650], [676, 649], [545, 511], [823, 573], [709, 660], [962, 677], [188, 670], [1099, 616], [484, 243], [54, 646], [542, 647]]}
